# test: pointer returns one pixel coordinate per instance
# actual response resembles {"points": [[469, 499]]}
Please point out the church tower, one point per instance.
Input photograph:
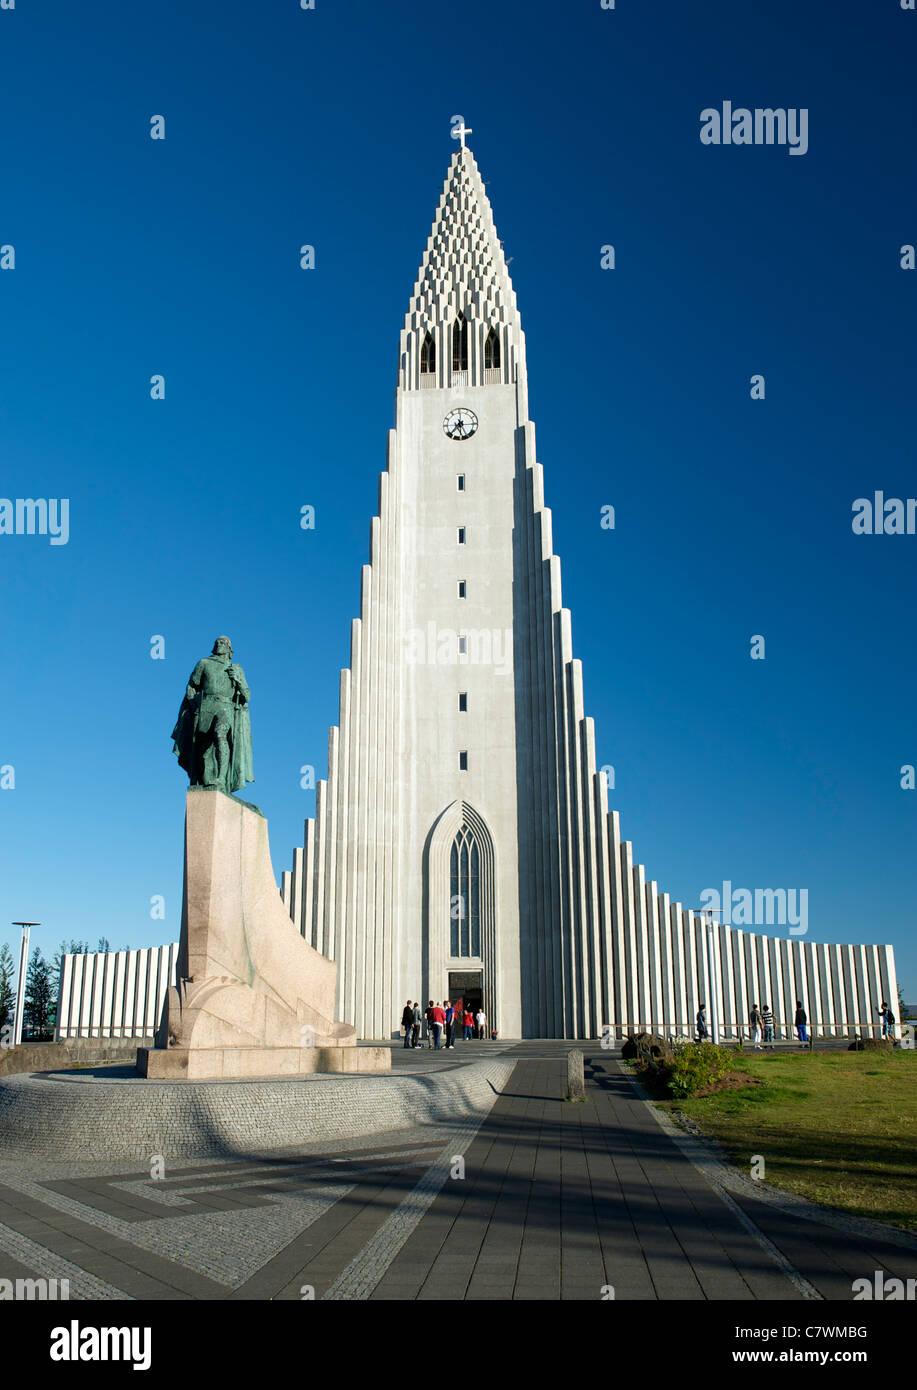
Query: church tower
{"points": [[462, 844]]}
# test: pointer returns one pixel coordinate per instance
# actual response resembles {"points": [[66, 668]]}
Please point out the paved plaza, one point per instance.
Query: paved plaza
{"points": [[537, 1199]]}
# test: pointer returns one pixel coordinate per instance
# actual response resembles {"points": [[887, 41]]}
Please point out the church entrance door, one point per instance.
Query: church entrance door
{"points": [[467, 986]]}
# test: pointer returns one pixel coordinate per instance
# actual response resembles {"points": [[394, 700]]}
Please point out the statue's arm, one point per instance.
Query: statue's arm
{"points": [[238, 679]]}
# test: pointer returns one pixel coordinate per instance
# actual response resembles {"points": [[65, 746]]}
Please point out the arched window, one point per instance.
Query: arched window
{"points": [[460, 345], [428, 354], [492, 349], [465, 895]]}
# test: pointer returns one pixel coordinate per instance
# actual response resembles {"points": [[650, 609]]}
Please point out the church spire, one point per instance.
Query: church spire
{"points": [[463, 280]]}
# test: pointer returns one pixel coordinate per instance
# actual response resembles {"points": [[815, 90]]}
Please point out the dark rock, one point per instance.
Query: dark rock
{"points": [[649, 1047]]}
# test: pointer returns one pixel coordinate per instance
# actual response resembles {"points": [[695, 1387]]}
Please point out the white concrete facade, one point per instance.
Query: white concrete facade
{"points": [[114, 994], [565, 933]]}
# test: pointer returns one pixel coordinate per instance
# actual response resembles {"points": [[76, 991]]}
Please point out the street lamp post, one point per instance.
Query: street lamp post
{"points": [[20, 988]]}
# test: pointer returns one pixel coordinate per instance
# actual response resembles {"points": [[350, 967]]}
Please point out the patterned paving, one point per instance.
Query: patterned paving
{"points": [[540, 1199]]}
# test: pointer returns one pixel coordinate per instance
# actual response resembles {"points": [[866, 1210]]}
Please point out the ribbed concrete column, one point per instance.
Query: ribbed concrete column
{"points": [[825, 996], [618, 924], [664, 911], [743, 1001], [630, 935], [855, 1011], [644, 1005], [778, 947], [727, 964], [843, 1012], [307, 922], [679, 964], [691, 968], [657, 1009]]}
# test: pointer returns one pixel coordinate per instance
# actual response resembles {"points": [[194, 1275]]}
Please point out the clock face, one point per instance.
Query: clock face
{"points": [[460, 424]]}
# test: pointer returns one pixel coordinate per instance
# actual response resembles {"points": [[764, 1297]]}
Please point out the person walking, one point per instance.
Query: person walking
{"points": [[469, 1025], [481, 1020], [418, 1020], [767, 1023], [888, 1020], [437, 1023], [801, 1021], [450, 1024], [754, 1018], [702, 1034], [407, 1022]]}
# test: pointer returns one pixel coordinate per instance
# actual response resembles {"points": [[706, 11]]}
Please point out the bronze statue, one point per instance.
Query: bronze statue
{"points": [[213, 734]]}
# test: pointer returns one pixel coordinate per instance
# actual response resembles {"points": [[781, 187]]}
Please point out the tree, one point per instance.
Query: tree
{"points": [[104, 944], [7, 987], [39, 996]]}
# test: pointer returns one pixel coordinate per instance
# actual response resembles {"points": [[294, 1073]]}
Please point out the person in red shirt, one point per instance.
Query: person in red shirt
{"points": [[437, 1023], [469, 1025]]}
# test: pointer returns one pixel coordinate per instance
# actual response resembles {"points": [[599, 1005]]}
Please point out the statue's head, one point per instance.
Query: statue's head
{"points": [[222, 647]]}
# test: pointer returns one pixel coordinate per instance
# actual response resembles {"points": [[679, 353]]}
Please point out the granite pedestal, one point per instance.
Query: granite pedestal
{"points": [[252, 997]]}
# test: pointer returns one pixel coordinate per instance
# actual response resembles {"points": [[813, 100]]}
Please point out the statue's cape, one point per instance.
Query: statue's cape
{"points": [[183, 736], [242, 768]]}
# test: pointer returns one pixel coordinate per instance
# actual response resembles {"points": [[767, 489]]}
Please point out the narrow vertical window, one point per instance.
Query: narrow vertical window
{"points": [[460, 344], [428, 354], [463, 701], [461, 535], [456, 904], [463, 761], [463, 646], [492, 349], [460, 482], [461, 585], [467, 874], [464, 877]]}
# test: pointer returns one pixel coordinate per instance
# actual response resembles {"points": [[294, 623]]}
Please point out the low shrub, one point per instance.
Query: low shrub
{"points": [[695, 1066]]}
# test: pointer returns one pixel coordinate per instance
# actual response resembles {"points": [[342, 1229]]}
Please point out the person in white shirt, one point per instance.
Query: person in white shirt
{"points": [[480, 1019]]}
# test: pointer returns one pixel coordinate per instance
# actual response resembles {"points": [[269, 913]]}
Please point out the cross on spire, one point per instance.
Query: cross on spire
{"points": [[461, 130]]}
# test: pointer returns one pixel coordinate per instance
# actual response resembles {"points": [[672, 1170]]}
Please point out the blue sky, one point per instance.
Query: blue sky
{"points": [[331, 127]]}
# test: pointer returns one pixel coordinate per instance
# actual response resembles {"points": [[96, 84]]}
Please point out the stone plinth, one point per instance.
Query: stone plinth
{"points": [[203, 1063], [253, 998]]}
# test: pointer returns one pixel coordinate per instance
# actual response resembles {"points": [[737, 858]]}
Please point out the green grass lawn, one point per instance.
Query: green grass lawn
{"points": [[837, 1127]]}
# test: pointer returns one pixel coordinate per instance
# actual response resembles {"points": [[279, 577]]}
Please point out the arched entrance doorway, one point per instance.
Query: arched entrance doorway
{"points": [[460, 935]]}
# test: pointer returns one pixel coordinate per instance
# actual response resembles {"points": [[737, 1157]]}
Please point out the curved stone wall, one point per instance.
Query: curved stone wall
{"points": [[107, 1115]]}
